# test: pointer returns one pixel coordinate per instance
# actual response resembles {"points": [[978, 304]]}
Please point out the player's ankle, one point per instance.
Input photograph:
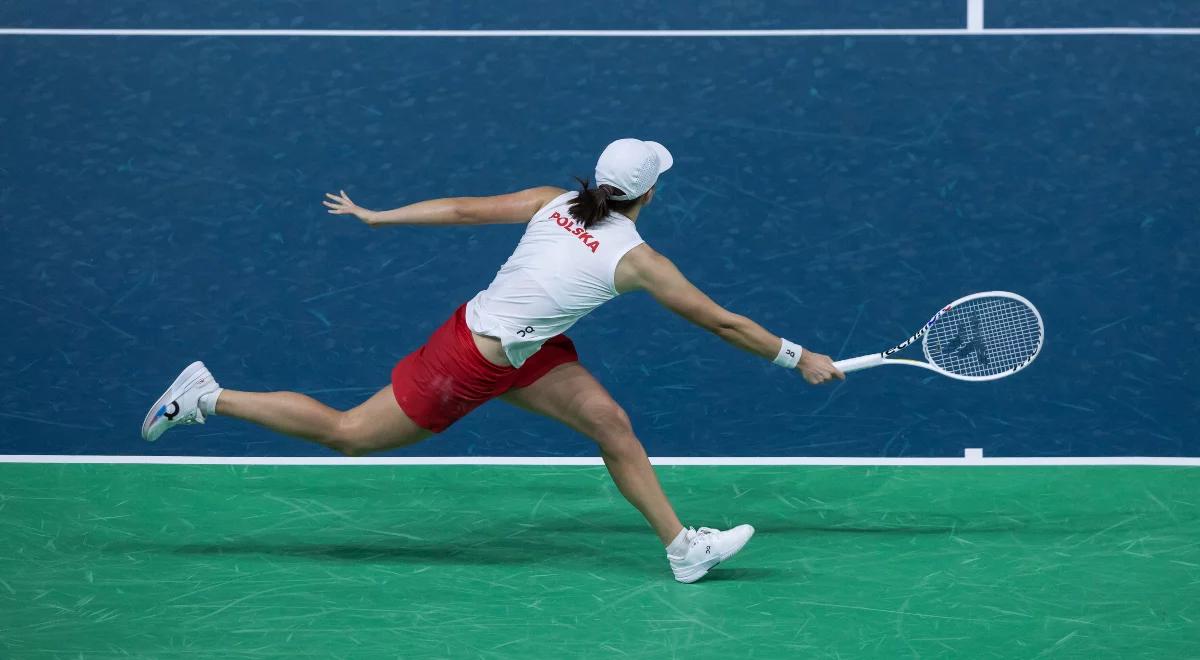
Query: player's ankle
{"points": [[208, 402], [678, 546]]}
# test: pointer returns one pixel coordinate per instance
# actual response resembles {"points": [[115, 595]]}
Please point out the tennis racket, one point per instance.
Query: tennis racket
{"points": [[983, 336]]}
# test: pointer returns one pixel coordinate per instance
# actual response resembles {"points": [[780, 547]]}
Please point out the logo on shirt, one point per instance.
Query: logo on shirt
{"points": [[577, 230]]}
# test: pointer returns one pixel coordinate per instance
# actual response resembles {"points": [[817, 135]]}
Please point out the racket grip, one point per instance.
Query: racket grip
{"points": [[864, 362]]}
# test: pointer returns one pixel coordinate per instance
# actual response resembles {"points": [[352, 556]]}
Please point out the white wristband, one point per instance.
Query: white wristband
{"points": [[789, 355]]}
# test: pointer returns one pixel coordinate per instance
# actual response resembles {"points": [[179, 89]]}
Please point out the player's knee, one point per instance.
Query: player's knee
{"points": [[609, 423], [349, 437]]}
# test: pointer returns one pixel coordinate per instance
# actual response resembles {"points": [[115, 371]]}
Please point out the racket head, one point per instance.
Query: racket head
{"points": [[984, 336]]}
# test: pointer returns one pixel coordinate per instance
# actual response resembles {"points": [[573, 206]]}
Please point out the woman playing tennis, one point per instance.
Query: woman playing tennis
{"points": [[580, 250]]}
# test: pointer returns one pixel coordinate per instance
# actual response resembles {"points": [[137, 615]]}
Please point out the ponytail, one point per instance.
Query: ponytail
{"points": [[592, 205]]}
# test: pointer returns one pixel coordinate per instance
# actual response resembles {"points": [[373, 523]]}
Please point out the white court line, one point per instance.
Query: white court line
{"points": [[672, 34], [974, 15], [974, 460]]}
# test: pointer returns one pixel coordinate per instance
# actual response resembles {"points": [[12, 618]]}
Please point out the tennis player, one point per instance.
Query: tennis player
{"points": [[580, 249]]}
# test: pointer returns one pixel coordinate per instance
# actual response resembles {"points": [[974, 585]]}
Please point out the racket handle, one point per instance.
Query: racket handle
{"points": [[864, 362]]}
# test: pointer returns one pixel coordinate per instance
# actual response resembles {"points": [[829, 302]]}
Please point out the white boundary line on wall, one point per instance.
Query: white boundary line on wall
{"points": [[971, 459], [969, 31]]}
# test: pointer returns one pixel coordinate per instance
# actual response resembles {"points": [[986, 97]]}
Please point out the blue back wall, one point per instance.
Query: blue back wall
{"points": [[161, 203]]}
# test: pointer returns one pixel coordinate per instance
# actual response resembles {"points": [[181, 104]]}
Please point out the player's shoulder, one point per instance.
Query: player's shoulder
{"points": [[541, 198], [550, 192], [547, 194], [642, 257], [641, 266]]}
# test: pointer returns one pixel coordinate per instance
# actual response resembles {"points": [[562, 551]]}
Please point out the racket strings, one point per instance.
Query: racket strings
{"points": [[984, 337], [1003, 335]]}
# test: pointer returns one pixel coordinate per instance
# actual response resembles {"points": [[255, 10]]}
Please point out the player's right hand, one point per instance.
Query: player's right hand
{"points": [[341, 204], [818, 368]]}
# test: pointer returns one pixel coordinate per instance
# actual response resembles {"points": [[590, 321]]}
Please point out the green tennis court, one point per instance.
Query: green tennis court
{"points": [[163, 561]]}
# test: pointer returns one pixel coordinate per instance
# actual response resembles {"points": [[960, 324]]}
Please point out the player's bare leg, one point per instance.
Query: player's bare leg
{"points": [[574, 397], [375, 425]]}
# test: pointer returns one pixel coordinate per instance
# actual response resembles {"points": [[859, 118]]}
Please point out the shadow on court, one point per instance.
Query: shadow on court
{"points": [[490, 553], [530, 553], [752, 574], [629, 547]]}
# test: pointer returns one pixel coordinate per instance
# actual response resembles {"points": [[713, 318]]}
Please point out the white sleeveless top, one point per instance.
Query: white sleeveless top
{"points": [[558, 273]]}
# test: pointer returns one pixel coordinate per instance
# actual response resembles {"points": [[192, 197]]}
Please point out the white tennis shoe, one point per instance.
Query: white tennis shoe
{"points": [[180, 404], [708, 547]]}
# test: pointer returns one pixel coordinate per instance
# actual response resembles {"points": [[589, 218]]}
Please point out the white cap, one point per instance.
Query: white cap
{"points": [[632, 166]]}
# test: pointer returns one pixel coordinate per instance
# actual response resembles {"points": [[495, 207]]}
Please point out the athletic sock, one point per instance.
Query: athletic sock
{"points": [[208, 402], [679, 546]]}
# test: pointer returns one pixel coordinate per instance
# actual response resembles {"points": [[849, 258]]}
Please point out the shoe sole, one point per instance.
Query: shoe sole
{"points": [[181, 383], [706, 567], [701, 571]]}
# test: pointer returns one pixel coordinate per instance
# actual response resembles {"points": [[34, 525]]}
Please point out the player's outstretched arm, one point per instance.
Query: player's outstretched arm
{"points": [[643, 268], [498, 209]]}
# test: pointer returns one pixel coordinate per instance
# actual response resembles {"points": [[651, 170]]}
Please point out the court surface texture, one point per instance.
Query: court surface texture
{"points": [[523, 561], [842, 170]]}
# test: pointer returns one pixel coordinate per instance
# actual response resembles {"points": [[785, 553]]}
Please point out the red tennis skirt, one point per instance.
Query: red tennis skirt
{"points": [[448, 377]]}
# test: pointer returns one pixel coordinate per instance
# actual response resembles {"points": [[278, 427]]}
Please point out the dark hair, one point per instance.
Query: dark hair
{"points": [[591, 205]]}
